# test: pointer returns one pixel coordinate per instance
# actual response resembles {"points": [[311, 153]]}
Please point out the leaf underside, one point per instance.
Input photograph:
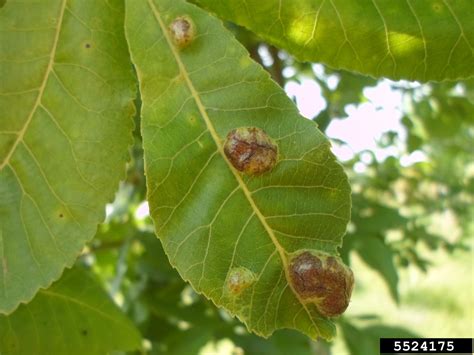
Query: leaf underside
{"points": [[73, 316], [415, 39], [210, 218], [65, 103]]}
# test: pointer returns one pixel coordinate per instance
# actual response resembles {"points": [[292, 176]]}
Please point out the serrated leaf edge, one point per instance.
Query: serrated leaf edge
{"points": [[220, 148]]}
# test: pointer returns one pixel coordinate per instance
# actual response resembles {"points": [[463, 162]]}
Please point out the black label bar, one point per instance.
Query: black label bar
{"points": [[426, 345]]}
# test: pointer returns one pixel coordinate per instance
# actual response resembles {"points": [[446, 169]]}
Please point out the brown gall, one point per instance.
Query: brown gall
{"points": [[322, 279], [251, 150], [183, 31]]}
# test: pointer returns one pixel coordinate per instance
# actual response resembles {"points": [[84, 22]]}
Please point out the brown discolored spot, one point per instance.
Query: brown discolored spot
{"points": [[182, 31], [87, 45], [251, 150], [61, 215], [239, 279], [84, 332], [323, 280]]}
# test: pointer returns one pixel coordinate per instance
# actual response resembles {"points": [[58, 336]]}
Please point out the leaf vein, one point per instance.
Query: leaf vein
{"points": [[41, 89]]}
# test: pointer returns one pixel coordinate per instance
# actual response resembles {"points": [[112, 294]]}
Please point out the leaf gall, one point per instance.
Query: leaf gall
{"points": [[251, 150], [182, 31], [239, 279], [322, 279]]}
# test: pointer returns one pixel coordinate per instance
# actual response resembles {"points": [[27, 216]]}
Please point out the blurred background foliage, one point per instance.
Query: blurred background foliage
{"points": [[409, 242]]}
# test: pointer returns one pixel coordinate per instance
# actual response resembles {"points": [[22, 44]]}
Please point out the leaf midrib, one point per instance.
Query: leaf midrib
{"points": [[41, 89], [216, 138]]}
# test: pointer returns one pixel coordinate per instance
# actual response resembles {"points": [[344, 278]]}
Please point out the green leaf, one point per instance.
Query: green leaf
{"points": [[379, 256], [415, 40], [66, 105], [211, 218], [283, 342], [73, 316]]}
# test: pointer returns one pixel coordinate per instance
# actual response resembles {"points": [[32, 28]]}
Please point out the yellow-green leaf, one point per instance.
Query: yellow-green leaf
{"points": [[73, 316], [413, 39], [228, 233], [66, 92]]}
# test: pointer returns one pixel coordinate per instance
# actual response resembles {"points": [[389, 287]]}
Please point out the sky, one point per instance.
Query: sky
{"points": [[366, 123]]}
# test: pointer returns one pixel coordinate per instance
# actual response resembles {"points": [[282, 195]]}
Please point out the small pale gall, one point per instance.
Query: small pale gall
{"points": [[182, 31], [322, 279], [239, 279], [251, 150]]}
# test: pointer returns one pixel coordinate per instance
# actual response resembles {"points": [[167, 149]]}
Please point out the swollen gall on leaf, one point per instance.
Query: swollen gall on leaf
{"points": [[251, 150], [182, 31], [322, 279], [239, 279]]}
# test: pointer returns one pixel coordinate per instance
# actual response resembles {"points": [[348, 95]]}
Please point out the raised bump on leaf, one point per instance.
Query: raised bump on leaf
{"points": [[251, 150], [239, 279], [182, 31], [322, 279]]}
